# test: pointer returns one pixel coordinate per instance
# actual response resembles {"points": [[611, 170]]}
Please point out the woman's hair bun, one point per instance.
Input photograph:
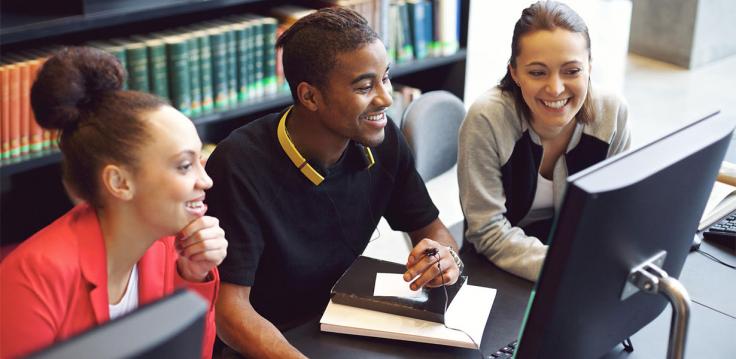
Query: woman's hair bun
{"points": [[71, 83]]}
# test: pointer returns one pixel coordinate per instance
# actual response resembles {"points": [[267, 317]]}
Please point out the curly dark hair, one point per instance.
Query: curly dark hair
{"points": [[78, 91], [311, 45], [545, 15]]}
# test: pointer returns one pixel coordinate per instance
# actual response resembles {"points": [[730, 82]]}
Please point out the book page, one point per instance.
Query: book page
{"points": [[722, 201], [468, 312]]}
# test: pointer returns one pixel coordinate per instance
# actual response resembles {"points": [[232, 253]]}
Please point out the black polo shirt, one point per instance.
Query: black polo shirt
{"points": [[291, 240]]}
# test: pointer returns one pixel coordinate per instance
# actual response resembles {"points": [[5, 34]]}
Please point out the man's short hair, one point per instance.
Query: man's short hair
{"points": [[311, 45]]}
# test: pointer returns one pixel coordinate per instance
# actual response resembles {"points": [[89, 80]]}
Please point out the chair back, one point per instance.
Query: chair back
{"points": [[430, 125]]}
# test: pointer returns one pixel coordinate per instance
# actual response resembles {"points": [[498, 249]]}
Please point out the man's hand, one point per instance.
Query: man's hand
{"points": [[427, 266], [201, 246]]}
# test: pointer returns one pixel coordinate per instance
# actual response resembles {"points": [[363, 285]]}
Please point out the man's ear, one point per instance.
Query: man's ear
{"points": [[118, 182], [309, 96]]}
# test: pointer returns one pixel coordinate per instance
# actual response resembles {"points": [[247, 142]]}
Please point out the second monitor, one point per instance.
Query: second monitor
{"points": [[615, 216]]}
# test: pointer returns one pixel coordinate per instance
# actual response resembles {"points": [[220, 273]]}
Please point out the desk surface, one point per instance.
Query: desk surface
{"points": [[710, 336]]}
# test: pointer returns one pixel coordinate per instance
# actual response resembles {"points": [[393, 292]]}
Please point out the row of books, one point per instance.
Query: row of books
{"points": [[218, 64], [20, 134], [422, 28], [410, 29], [204, 67]]}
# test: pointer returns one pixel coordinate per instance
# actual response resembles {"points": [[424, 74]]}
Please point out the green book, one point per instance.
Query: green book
{"points": [[242, 31], [195, 81], [158, 80], [136, 59], [405, 50], [259, 56], [218, 56], [270, 82], [205, 71], [232, 64], [251, 59], [177, 53]]}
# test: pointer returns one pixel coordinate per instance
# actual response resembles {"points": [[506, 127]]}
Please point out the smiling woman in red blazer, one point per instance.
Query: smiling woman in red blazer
{"points": [[141, 230]]}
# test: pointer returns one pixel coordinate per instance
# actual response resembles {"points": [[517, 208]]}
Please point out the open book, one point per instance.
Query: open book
{"points": [[357, 288], [468, 313], [722, 200]]}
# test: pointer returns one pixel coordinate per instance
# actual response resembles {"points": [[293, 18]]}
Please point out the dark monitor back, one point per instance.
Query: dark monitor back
{"points": [[172, 327], [616, 215]]}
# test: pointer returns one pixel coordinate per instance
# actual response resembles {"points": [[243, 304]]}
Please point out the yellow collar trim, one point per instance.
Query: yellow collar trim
{"points": [[296, 158], [299, 161]]}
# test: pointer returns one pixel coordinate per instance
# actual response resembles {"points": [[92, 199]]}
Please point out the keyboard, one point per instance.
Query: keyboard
{"points": [[505, 352], [723, 232]]}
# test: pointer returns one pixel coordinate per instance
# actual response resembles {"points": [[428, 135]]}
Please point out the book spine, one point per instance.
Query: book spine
{"points": [[428, 28], [269, 44], [393, 32], [232, 65], [280, 78], [383, 22], [259, 57], [177, 53], [438, 24], [5, 111], [406, 51], [241, 38], [448, 32], [218, 56], [205, 67], [416, 24], [194, 75], [36, 138], [25, 106], [251, 65], [15, 111], [136, 57], [158, 69]]}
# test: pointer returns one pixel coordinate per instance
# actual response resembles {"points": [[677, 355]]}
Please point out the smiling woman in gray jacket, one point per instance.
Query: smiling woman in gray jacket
{"points": [[521, 139]]}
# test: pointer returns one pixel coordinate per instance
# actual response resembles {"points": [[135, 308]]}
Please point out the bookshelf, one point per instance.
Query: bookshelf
{"points": [[31, 194]]}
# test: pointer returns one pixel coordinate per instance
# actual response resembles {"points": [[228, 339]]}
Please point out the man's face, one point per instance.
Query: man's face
{"points": [[356, 95]]}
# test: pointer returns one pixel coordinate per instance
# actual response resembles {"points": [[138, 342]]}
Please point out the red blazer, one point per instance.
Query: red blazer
{"points": [[54, 285]]}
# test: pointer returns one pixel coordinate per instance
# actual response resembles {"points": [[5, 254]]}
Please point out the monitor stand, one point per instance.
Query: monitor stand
{"points": [[649, 277]]}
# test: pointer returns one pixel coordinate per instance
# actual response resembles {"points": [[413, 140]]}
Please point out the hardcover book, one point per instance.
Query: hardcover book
{"points": [[356, 287]]}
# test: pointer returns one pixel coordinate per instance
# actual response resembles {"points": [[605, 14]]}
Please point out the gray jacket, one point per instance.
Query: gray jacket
{"points": [[494, 144]]}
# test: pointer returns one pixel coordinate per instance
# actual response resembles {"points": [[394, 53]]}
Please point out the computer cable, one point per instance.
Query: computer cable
{"points": [[433, 252], [713, 258], [711, 308]]}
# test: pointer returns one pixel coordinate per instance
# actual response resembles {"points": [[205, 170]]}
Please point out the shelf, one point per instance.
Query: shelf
{"points": [[18, 27], [247, 108], [405, 68], [8, 168], [243, 110]]}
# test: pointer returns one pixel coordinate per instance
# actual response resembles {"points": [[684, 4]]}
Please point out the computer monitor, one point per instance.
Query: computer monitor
{"points": [[615, 215], [171, 327]]}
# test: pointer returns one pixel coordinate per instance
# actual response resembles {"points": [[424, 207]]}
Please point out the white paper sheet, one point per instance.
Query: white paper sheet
{"points": [[393, 285]]}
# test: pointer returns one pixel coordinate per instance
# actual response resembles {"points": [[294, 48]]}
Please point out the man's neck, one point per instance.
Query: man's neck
{"points": [[313, 140]]}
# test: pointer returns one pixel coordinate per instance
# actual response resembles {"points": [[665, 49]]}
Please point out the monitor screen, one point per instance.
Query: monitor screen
{"points": [[171, 327], [616, 215]]}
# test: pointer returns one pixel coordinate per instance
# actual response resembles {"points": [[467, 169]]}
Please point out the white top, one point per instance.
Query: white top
{"points": [[543, 204], [130, 298]]}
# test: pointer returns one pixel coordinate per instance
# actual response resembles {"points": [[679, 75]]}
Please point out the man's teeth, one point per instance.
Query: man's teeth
{"points": [[377, 117], [195, 204], [555, 104]]}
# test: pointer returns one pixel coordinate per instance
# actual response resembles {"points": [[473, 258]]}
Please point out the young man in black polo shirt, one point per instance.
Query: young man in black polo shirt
{"points": [[299, 193]]}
